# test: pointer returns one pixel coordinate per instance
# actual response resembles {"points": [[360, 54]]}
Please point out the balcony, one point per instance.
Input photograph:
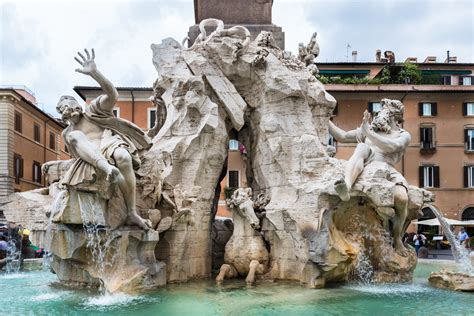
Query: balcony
{"points": [[427, 147]]}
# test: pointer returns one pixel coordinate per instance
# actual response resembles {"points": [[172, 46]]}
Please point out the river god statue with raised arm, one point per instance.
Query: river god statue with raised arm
{"points": [[379, 140], [102, 143]]}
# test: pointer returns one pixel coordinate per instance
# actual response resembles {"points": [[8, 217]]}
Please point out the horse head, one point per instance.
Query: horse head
{"points": [[241, 202]]}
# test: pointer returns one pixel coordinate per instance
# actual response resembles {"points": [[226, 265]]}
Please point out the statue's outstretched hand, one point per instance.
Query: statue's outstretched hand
{"points": [[88, 64], [365, 127]]}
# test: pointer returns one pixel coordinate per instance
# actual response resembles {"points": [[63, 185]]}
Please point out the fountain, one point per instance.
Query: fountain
{"points": [[462, 280], [130, 213]]}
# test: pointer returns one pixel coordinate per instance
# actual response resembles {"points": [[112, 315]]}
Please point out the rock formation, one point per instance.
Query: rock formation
{"points": [[452, 280]]}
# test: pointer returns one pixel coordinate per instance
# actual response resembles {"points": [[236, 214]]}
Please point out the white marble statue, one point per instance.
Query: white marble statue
{"points": [[308, 53], [102, 143], [245, 252], [381, 140]]}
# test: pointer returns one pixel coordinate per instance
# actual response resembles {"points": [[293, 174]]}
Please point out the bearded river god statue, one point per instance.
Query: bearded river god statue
{"points": [[318, 216]]}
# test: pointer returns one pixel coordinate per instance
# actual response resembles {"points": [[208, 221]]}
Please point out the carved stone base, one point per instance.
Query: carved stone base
{"points": [[122, 260]]}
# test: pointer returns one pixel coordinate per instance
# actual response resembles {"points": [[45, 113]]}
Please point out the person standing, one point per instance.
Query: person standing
{"points": [[463, 238], [419, 240]]}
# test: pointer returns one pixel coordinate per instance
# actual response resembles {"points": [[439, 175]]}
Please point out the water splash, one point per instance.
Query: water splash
{"points": [[55, 209], [461, 254], [99, 240], [14, 259], [363, 271]]}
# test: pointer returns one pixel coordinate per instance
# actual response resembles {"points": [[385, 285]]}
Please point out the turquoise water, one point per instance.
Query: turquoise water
{"points": [[34, 293]]}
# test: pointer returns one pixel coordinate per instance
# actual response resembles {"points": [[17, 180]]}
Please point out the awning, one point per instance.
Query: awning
{"points": [[451, 222], [445, 72], [344, 72]]}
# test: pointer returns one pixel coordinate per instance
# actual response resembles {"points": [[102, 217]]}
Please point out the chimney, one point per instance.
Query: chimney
{"points": [[354, 56], [451, 59], [430, 59], [378, 56]]}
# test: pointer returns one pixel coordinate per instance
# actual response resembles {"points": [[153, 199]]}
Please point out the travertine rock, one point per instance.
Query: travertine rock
{"points": [[127, 254], [452, 280]]}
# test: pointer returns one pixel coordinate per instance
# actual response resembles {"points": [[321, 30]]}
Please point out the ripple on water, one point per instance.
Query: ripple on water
{"points": [[389, 289], [113, 301], [11, 276], [47, 297]]}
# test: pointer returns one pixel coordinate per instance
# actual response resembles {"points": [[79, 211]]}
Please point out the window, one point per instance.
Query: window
{"points": [[446, 80], [427, 142], [36, 133], [468, 215], [469, 139], [151, 117], [36, 172], [469, 176], [52, 141], [233, 144], [18, 122], [116, 111], [429, 176], [17, 167], [468, 109], [427, 109], [331, 141], [375, 107], [466, 80], [233, 179]]}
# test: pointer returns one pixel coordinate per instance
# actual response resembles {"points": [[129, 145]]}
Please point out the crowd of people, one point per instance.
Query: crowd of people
{"points": [[15, 244], [419, 240]]}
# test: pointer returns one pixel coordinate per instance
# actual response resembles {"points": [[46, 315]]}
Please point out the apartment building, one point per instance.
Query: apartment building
{"points": [[29, 137]]}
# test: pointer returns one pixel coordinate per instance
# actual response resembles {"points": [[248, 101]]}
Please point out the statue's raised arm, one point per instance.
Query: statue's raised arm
{"points": [[343, 136], [108, 100]]}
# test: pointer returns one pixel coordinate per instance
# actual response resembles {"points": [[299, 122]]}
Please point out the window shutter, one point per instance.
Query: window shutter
{"points": [[448, 81], [434, 109], [436, 176], [420, 176], [371, 107], [420, 109], [460, 80], [465, 136], [21, 167], [336, 109], [465, 176], [422, 139], [430, 135], [464, 108]]}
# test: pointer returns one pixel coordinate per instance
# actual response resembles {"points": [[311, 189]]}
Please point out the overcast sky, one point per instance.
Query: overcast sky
{"points": [[38, 39]]}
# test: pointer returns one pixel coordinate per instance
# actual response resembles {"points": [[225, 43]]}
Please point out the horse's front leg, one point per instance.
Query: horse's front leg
{"points": [[254, 267], [227, 271]]}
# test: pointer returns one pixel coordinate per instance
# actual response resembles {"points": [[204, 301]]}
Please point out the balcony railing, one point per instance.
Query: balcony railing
{"points": [[427, 147]]}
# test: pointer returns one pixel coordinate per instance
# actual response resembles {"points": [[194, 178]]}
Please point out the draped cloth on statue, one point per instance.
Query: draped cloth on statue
{"points": [[117, 133]]}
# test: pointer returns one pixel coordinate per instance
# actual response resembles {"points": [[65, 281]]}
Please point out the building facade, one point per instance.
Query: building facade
{"points": [[29, 137]]}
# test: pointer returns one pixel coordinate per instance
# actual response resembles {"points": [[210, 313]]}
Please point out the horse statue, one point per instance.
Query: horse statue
{"points": [[245, 252]]}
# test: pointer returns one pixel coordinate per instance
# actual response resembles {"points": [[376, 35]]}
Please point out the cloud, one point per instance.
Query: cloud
{"points": [[40, 38]]}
